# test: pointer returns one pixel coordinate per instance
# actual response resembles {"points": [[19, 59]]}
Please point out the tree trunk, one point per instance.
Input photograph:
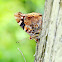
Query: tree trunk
{"points": [[49, 49]]}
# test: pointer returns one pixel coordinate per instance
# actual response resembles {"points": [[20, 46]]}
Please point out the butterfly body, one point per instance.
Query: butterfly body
{"points": [[31, 23]]}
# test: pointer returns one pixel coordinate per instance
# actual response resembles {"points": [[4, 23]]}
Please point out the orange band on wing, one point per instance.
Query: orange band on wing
{"points": [[25, 28]]}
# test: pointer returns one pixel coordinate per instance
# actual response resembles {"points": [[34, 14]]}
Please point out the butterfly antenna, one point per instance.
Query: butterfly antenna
{"points": [[22, 54]]}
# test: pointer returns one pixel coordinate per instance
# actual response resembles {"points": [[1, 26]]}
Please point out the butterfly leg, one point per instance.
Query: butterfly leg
{"points": [[30, 37], [38, 40]]}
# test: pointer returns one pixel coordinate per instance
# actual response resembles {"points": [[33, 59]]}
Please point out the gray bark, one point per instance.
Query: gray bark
{"points": [[49, 49]]}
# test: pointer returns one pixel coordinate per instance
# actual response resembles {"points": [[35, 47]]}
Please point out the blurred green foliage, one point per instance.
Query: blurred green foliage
{"points": [[12, 35]]}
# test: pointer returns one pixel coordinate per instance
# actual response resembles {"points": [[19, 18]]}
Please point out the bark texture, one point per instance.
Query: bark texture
{"points": [[50, 47]]}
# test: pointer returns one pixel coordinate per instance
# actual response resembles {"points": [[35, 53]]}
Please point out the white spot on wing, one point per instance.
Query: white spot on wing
{"points": [[21, 17], [20, 22]]}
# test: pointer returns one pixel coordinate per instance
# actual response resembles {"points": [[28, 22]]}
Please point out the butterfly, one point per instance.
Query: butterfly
{"points": [[31, 23]]}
